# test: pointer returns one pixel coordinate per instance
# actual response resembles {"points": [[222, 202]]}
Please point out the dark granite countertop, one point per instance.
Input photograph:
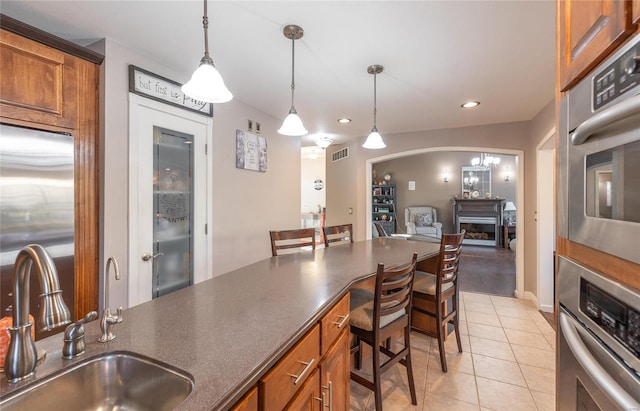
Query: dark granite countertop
{"points": [[230, 330]]}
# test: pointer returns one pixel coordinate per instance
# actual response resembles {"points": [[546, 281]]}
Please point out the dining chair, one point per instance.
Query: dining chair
{"points": [[380, 230], [289, 239], [338, 234], [378, 316], [432, 290]]}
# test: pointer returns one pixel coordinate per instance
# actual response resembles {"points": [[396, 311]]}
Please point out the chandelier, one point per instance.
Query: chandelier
{"points": [[485, 161]]}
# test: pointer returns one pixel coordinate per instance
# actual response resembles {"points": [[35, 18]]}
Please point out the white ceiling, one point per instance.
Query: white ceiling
{"points": [[436, 54]]}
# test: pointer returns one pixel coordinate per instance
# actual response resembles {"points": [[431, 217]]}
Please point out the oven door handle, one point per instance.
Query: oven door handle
{"points": [[613, 114], [589, 364]]}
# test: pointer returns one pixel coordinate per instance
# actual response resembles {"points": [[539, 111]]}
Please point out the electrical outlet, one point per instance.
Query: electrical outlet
{"points": [[249, 125], [257, 128]]}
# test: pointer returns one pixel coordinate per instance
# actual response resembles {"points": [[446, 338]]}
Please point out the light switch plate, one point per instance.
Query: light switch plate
{"points": [[412, 185]]}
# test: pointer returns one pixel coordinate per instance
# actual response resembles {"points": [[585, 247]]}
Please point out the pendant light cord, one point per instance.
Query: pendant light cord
{"points": [[205, 24], [375, 103], [293, 67]]}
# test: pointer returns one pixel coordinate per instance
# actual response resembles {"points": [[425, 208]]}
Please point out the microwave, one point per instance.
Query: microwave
{"points": [[599, 157]]}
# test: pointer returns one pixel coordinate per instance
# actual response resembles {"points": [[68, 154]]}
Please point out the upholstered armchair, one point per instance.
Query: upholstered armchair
{"points": [[422, 220]]}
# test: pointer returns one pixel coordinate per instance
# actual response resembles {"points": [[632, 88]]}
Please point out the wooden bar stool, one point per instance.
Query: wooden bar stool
{"points": [[433, 290], [338, 234], [289, 239], [376, 316]]}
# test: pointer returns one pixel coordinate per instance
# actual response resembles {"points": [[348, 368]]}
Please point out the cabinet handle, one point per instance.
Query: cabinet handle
{"points": [[330, 388], [344, 320], [307, 367], [321, 399]]}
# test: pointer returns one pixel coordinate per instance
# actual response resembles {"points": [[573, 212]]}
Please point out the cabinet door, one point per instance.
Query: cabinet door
{"points": [[39, 83], [249, 402], [308, 397], [334, 371], [588, 31]]}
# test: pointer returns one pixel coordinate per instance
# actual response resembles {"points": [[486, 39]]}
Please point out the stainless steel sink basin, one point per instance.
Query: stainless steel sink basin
{"points": [[114, 381]]}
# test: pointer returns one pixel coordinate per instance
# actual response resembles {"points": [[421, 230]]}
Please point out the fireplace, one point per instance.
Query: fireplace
{"points": [[479, 230], [480, 218]]}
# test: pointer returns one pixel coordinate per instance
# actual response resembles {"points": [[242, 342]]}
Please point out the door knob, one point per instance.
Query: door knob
{"points": [[149, 256]]}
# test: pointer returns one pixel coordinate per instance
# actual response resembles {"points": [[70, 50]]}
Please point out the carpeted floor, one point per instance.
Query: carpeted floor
{"points": [[488, 270]]}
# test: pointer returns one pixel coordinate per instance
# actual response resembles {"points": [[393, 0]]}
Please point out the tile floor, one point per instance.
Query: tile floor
{"points": [[507, 363]]}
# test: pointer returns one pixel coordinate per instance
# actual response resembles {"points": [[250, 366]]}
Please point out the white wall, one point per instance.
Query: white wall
{"points": [[312, 169], [246, 204]]}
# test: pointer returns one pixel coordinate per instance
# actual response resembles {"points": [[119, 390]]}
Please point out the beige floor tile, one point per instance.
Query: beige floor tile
{"points": [[491, 348], [528, 339], [456, 362], [515, 312], [499, 370], [475, 297], [544, 401], [519, 324], [551, 339], [502, 301], [482, 318], [487, 331], [437, 402], [542, 324], [534, 357], [485, 308], [456, 385], [500, 396], [464, 329], [539, 379], [360, 396]]}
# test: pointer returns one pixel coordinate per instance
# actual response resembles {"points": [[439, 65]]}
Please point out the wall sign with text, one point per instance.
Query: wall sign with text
{"points": [[147, 84]]}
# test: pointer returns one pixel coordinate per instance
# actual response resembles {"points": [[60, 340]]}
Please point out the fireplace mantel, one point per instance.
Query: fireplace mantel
{"points": [[481, 218]]}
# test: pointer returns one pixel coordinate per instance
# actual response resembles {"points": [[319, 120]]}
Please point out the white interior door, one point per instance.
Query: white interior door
{"points": [[168, 202]]}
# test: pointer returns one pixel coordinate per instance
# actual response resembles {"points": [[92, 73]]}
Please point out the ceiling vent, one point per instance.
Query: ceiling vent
{"points": [[340, 154]]}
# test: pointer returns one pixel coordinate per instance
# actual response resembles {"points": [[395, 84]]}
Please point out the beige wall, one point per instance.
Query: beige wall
{"points": [[427, 171], [506, 138], [246, 204]]}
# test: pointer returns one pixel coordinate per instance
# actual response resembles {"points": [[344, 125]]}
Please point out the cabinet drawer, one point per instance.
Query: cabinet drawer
{"points": [[286, 377], [249, 402], [334, 322]]}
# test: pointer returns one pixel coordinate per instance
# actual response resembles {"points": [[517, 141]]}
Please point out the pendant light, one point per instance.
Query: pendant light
{"points": [[292, 125], [374, 140], [206, 83]]}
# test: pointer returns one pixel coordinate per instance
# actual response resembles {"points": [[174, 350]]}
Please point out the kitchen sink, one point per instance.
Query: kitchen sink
{"points": [[113, 381]]}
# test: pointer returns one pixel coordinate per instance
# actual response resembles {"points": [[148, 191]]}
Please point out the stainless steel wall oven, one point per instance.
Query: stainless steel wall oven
{"points": [[599, 188], [599, 207]]}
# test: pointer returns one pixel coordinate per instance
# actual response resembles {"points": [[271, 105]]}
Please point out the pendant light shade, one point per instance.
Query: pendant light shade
{"points": [[374, 140], [292, 125], [206, 83]]}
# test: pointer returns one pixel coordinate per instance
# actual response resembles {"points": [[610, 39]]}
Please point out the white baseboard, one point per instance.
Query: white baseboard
{"points": [[546, 308], [531, 296]]}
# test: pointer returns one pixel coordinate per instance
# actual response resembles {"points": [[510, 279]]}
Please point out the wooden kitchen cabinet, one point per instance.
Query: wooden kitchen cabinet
{"points": [[249, 402], [334, 375], [587, 32], [51, 84], [308, 397]]}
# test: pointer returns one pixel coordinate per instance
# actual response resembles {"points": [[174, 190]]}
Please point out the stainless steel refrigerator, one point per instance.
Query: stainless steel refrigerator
{"points": [[36, 206]]}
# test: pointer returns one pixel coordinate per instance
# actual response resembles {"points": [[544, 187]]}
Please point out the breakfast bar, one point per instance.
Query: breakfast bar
{"points": [[229, 331]]}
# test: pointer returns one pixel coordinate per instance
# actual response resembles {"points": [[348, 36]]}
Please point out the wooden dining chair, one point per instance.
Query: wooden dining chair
{"points": [[338, 234], [289, 239], [378, 316], [432, 290]]}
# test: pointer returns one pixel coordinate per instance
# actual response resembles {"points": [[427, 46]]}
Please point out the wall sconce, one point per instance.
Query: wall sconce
{"points": [[507, 174], [445, 176]]}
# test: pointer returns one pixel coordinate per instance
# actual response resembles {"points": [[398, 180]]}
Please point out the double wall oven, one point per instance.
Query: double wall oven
{"points": [[599, 207]]}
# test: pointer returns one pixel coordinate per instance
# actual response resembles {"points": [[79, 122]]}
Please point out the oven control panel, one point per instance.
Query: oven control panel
{"points": [[613, 316], [621, 75]]}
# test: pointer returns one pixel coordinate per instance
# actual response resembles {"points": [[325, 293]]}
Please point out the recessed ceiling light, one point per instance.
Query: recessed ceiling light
{"points": [[470, 104], [344, 120]]}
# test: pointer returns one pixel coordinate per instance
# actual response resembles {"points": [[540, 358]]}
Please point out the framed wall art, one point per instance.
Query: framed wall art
{"points": [[251, 151]]}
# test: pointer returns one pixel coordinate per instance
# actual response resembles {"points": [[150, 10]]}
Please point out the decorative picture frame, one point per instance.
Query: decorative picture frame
{"points": [[251, 151]]}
